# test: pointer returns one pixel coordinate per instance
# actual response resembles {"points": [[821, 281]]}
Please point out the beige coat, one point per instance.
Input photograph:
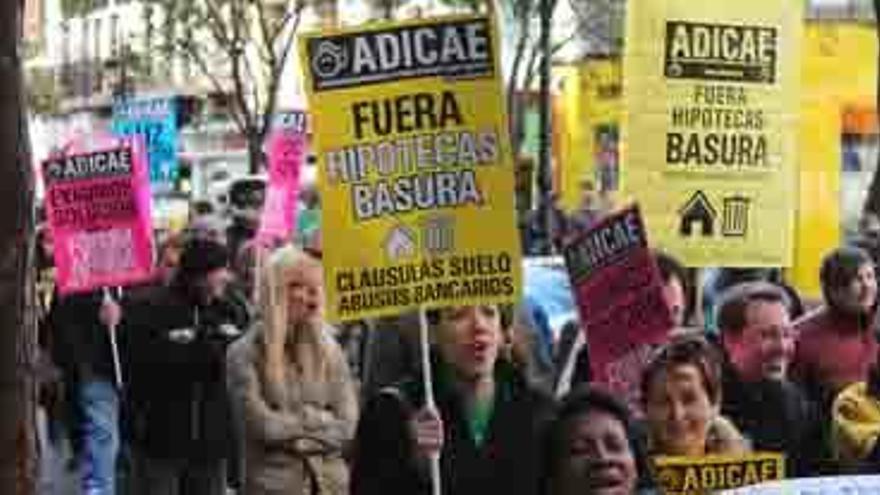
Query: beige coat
{"points": [[307, 435]]}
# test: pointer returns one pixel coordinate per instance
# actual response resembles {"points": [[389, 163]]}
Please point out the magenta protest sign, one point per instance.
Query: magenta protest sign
{"points": [[98, 207], [286, 152], [618, 290]]}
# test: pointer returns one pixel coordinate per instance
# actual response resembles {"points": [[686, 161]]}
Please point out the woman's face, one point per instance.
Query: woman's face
{"points": [[597, 457], [469, 339], [673, 296], [860, 295], [679, 411], [305, 295]]}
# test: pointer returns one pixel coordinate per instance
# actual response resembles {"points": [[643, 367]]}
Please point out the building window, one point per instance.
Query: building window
{"points": [[84, 40], [114, 36], [64, 53], [96, 34], [96, 68]]}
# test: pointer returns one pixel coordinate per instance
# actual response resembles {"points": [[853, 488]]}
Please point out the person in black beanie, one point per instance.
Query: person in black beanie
{"points": [[180, 429]]}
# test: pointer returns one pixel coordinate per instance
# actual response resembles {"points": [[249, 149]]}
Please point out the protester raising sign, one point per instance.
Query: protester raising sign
{"points": [[708, 474], [286, 151], [155, 120], [414, 163], [618, 290], [98, 207]]}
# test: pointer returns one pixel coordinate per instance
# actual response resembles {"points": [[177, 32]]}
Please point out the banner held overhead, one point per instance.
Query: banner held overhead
{"points": [[98, 207], [414, 164], [155, 119], [711, 96]]}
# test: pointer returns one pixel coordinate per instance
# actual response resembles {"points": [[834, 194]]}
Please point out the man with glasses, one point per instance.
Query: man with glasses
{"points": [[758, 396]]}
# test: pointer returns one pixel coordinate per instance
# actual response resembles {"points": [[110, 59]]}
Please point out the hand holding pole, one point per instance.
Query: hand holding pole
{"points": [[110, 315]]}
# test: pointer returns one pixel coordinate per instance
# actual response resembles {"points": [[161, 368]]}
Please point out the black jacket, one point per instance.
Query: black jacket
{"points": [[777, 417], [508, 461], [80, 342], [177, 396]]}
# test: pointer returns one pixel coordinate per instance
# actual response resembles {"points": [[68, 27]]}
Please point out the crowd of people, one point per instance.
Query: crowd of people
{"points": [[230, 378]]}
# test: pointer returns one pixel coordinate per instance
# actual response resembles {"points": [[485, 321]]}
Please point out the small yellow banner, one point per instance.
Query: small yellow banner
{"points": [[709, 138], [702, 475], [415, 166]]}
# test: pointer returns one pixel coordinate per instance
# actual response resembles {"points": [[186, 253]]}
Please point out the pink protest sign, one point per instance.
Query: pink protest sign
{"points": [[286, 151], [618, 290], [98, 207]]}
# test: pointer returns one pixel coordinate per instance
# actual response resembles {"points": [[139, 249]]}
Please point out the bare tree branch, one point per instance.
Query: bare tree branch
{"points": [[278, 69], [268, 36], [217, 24], [532, 67], [197, 57], [253, 42], [522, 14]]}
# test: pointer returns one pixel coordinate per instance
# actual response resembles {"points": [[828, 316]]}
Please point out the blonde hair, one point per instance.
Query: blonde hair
{"points": [[308, 351]]}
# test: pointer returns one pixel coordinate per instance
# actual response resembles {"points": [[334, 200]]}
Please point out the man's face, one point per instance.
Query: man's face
{"points": [[860, 295], [764, 349], [215, 283], [673, 295]]}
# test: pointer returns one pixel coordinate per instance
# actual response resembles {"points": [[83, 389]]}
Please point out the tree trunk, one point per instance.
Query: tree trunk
{"points": [[872, 201], [255, 152], [545, 153], [17, 450]]}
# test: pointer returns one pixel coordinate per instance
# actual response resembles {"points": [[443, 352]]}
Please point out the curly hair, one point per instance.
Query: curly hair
{"points": [[580, 402]]}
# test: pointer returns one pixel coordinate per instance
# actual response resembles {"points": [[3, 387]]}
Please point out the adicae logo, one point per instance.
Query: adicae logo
{"points": [[329, 59]]}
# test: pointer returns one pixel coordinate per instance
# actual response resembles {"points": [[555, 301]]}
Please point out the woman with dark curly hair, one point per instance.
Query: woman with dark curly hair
{"points": [[593, 447]]}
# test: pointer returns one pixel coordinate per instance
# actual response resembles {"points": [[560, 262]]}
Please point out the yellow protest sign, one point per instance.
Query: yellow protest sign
{"points": [[415, 166], [709, 140], [701, 475]]}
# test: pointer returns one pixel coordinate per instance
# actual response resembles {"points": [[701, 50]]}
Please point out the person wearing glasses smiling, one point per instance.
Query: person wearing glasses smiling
{"points": [[758, 396]]}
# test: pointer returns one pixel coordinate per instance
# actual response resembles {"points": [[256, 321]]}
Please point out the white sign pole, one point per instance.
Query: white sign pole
{"points": [[428, 384], [114, 346]]}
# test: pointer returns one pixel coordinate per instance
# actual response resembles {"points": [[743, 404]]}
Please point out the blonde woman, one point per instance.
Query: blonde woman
{"points": [[291, 383]]}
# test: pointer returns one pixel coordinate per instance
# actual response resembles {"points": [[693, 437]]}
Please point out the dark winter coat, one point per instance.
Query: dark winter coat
{"points": [[508, 461], [776, 417], [833, 350], [177, 393], [80, 342]]}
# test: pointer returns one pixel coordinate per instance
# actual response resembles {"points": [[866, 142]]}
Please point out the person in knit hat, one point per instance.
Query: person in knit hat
{"points": [[180, 428]]}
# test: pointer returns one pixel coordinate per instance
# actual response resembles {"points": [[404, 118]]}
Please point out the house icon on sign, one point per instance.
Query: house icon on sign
{"points": [[400, 243], [698, 210]]}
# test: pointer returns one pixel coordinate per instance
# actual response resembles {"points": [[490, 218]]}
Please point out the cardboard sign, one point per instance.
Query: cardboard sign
{"points": [[155, 120], [98, 207], [286, 154], [618, 290], [711, 473], [415, 170], [711, 108]]}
